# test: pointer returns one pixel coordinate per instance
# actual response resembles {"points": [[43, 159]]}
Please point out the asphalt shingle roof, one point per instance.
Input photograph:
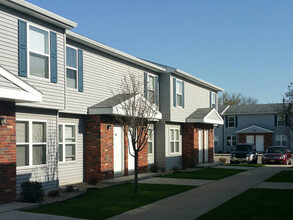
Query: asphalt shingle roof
{"points": [[251, 109], [200, 113]]}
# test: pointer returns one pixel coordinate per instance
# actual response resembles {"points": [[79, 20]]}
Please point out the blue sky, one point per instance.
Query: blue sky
{"points": [[241, 46]]}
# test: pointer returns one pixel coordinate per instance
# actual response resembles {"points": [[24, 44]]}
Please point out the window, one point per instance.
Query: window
{"points": [[38, 50], [67, 142], [151, 89], [71, 67], [174, 140], [213, 100], [280, 120], [231, 121], [216, 141], [150, 141], [231, 140], [281, 140], [179, 93], [31, 136]]}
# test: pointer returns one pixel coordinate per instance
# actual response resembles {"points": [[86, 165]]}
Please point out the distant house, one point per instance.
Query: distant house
{"points": [[258, 124]]}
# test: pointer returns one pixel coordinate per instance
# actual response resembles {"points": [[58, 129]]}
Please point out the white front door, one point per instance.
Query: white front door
{"points": [[259, 143], [118, 150], [200, 146], [206, 146], [130, 157], [250, 139]]}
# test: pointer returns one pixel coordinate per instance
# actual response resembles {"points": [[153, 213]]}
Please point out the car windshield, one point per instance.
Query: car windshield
{"points": [[243, 147], [278, 150]]}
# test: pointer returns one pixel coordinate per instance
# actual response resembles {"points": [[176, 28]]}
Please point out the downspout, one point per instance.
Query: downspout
{"points": [[223, 134]]}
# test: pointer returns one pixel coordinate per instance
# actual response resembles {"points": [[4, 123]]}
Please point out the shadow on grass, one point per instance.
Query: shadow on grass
{"points": [[283, 176]]}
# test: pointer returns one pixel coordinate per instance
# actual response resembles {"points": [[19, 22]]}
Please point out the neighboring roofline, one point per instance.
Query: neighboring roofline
{"points": [[257, 113], [267, 130], [111, 51], [39, 13], [35, 95], [205, 120], [222, 113], [197, 80]]}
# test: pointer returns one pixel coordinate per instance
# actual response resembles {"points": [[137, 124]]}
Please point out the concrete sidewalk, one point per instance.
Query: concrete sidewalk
{"points": [[195, 202], [274, 185], [174, 181]]}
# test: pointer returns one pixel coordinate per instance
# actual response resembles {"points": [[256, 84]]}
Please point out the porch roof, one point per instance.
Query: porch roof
{"points": [[254, 130], [114, 106], [15, 89], [205, 115]]}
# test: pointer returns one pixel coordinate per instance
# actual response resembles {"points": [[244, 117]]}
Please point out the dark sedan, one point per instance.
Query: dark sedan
{"points": [[276, 154]]}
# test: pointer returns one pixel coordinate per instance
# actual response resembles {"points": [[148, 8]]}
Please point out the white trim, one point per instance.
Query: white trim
{"points": [[257, 127], [225, 110], [208, 121], [31, 95], [178, 93], [152, 141], [174, 141], [64, 143], [72, 68]]}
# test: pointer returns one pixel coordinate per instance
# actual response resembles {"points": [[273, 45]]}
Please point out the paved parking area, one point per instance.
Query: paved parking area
{"points": [[176, 181]]}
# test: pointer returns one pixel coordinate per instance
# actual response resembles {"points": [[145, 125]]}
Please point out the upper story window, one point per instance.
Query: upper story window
{"points": [[281, 140], [231, 121], [71, 67], [151, 93], [174, 140], [38, 50], [150, 141], [213, 100], [179, 93], [280, 120]]}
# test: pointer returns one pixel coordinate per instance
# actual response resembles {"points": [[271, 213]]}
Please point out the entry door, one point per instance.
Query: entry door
{"points": [[200, 146], [259, 143], [118, 150], [130, 158], [250, 139], [206, 146]]}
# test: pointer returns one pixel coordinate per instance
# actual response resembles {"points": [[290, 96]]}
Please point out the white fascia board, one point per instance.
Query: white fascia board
{"points": [[39, 13], [100, 111], [18, 95], [257, 127], [205, 121], [21, 84], [113, 52], [222, 113], [198, 80]]}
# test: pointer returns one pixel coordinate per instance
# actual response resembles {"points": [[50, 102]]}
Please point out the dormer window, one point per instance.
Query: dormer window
{"points": [[71, 67]]}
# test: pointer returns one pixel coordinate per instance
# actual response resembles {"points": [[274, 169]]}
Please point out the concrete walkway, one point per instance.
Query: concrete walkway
{"points": [[235, 167], [130, 178], [195, 202], [274, 185], [176, 181]]}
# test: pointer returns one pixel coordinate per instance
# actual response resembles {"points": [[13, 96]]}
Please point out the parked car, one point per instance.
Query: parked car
{"points": [[277, 154], [244, 153]]}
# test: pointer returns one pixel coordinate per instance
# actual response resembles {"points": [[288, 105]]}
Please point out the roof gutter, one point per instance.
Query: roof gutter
{"points": [[39, 13], [111, 51]]}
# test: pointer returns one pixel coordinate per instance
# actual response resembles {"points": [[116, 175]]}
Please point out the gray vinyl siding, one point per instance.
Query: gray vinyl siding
{"points": [[40, 173], [102, 76], [176, 158], [72, 172], [160, 144], [165, 96], [213, 116], [4, 83], [53, 93], [195, 97]]}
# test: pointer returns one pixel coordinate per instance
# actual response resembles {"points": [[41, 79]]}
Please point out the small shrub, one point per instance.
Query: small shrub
{"points": [[92, 181], [222, 160], [69, 188], [154, 169], [175, 168], [163, 169], [32, 192], [54, 193]]}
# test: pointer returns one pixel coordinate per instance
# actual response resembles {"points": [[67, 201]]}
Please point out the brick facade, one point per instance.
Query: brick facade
{"points": [[268, 138], [7, 153], [99, 145], [190, 137]]}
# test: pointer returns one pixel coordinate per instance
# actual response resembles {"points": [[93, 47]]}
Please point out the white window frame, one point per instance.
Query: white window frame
{"points": [[231, 136], [64, 142], [281, 140], [72, 68], [149, 89], [280, 119], [174, 141], [151, 141], [178, 93], [229, 121], [31, 144], [42, 54], [213, 100]]}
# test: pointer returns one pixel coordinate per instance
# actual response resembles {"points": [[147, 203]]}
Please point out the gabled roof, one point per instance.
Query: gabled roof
{"points": [[254, 130], [114, 106], [17, 90], [188, 76], [251, 109], [38, 12], [205, 115]]}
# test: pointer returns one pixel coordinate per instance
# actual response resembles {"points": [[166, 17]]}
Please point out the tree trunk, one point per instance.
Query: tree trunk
{"points": [[135, 171]]}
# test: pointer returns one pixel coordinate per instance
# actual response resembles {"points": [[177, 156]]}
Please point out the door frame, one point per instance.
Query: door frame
{"points": [[200, 144], [122, 152], [206, 146]]}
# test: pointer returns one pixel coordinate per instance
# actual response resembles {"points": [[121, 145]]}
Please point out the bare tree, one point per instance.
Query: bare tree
{"points": [[134, 113], [236, 99]]}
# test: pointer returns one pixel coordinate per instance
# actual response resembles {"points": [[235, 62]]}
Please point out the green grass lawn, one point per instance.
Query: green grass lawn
{"points": [[244, 165], [107, 202], [255, 204], [207, 174], [284, 176]]}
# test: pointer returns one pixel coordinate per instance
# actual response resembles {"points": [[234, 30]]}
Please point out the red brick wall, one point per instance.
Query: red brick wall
{"points": [[7, 153], [268, 138]]}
